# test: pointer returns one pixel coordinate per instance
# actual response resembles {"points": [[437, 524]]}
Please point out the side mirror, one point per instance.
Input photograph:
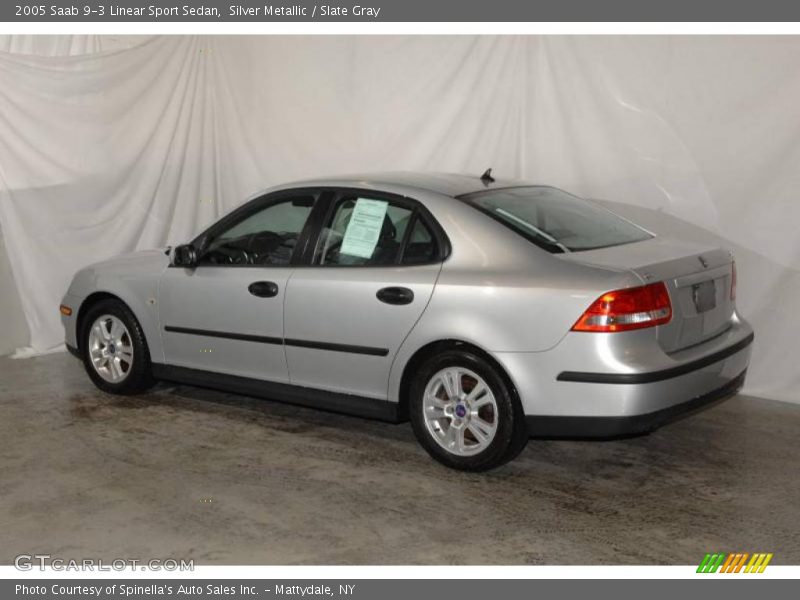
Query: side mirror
{"points": [[184, 256]]}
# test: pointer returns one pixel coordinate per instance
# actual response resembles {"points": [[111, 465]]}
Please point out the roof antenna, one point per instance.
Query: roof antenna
{"points": [[487, 178]]}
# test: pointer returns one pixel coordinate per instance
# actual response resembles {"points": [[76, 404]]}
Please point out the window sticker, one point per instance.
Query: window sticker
{"points": [[364, 228]]}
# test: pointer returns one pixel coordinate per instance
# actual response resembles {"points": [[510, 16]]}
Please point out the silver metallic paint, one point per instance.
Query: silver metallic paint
{"points": [[496, 291], [534, 373], [338, 305], [216, 298], [133, 278]]}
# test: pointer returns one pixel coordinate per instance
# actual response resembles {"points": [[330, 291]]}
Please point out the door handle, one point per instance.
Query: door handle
{"points": [[395, 295], [263, 289]]}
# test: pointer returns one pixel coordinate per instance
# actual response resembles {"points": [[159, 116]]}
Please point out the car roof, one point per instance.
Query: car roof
{"points": [[448, 184]]}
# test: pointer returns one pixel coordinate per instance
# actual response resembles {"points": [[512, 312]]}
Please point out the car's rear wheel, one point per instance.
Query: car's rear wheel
{"points": [[115, 353], [465, 414]]}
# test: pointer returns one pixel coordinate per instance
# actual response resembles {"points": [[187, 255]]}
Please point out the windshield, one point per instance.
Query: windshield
{"points": [[555, 220]]}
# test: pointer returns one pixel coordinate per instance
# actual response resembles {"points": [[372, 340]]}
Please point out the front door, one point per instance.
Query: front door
{"points": [[373, 271], [226, 314]]}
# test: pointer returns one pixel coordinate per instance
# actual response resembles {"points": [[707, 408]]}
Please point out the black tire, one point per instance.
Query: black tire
{"points": [[139, 376], [511, 435]]}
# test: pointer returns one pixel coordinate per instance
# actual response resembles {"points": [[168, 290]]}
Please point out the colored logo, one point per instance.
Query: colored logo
{"points": [[737, 562]]}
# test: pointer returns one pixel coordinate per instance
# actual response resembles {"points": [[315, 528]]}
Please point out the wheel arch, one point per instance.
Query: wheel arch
{"points": [[90, 301], [431, 349], [83, 309]]}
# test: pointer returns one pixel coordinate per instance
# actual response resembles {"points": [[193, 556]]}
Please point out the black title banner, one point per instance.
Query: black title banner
{"points": [[399, 11]]}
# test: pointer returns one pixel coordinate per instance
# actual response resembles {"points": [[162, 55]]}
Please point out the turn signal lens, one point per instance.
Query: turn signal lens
{"points": [[65, 310], [631, 308], [733, 280]]}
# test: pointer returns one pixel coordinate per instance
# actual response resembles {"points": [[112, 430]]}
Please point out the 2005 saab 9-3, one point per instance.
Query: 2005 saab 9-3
{"points": [[483, 311]]}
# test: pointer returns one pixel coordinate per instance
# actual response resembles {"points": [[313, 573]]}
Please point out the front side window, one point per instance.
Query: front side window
{"points": [[556, 220], [265, 237], [364, 231]]}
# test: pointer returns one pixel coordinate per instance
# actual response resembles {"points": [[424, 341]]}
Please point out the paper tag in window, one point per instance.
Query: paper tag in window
{"points": [[364, 228]]}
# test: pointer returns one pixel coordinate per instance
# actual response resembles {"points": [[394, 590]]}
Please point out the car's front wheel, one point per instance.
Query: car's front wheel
{"points": [[464, 413], [115, 353]]}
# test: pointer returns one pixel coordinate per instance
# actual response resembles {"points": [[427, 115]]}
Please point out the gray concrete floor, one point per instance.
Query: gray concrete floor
{"points": [[187, 473]]}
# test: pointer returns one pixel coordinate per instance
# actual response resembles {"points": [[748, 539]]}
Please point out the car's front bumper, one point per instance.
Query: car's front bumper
{"points": [[607, 385], [69, 322]]}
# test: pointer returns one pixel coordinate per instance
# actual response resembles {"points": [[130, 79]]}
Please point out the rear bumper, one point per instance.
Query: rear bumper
{"points": [[605, 385], [653, 376], [615, 427]]}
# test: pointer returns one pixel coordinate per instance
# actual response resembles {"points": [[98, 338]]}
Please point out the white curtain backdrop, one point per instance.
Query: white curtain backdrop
{"points": [[67, 45], [114, 144]]}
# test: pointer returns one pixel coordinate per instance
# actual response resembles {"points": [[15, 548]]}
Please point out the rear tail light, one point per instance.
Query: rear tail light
{"points": [[733, 280], [631, 308]]}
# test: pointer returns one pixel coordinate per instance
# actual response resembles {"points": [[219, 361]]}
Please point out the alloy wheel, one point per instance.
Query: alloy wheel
{"points": [[460, 411], [110, 348]]}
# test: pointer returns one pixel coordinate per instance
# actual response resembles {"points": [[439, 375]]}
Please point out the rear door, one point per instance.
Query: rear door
{"points": [[372, 271]]}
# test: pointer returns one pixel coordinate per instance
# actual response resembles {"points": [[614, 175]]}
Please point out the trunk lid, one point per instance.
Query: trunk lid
{"points": [[698, 278]]}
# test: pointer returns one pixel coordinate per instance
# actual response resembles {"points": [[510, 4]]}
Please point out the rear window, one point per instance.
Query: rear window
{"points": [[555, 220]]}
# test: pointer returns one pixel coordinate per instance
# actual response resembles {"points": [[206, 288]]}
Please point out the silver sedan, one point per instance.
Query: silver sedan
{"points": [[483, 311]]}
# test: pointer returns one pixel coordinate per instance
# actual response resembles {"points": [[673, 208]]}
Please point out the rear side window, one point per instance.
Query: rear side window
{"points": [[555, 220], [364, 231], [421, 245]]}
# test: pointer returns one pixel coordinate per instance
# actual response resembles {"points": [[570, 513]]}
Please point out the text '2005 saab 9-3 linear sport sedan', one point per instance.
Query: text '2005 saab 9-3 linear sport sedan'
{"points": [[483, 311]]}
